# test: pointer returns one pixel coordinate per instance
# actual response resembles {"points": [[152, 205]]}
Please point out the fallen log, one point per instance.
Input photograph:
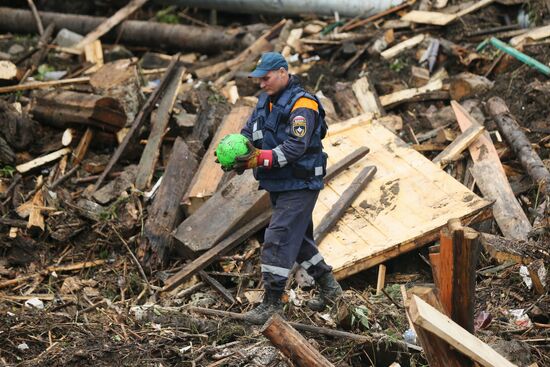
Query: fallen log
{"points": [[164, 212], [66, 108], [138, 122], [159, 123], [345, 8], [467, 84], [428, 318], [140, 33], [520, 144], [344, 202], [120, 80], [292, 344]]}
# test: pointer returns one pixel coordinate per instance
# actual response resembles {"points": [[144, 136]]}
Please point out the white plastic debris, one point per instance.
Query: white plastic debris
{"points": [[34, 303], [66, 38], [23, 346], [524, 274], [410, 336]]}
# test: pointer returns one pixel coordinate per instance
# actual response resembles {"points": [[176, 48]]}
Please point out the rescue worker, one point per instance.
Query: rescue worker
{"points": [[285, 151]]}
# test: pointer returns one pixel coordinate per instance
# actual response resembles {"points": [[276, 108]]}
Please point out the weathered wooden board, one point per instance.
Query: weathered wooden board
{"points": [[406, 203]]}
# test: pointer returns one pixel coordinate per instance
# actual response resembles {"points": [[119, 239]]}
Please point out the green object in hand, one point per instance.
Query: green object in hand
{"points": [[229, 148]]}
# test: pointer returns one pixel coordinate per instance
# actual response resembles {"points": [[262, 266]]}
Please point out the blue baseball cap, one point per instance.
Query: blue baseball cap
{"points": [[269, 61]]}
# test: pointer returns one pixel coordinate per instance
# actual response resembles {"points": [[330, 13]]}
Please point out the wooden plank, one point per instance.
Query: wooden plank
{"points": [[534, 34], [428, 318], [159, 123], [339, 208], [209, 175], [491, 180], [453, 150], [164, 213], [402, 46], [40, 161], [110, 23], [367, 96], [508, 213], [218, 287], [407, 94], [404, 206]]}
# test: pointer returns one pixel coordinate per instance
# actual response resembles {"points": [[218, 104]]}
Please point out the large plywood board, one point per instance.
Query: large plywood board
{"points": [[409, 199]]}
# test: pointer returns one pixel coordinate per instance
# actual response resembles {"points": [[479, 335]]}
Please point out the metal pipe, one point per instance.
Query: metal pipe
{"points": [[345, 8]]}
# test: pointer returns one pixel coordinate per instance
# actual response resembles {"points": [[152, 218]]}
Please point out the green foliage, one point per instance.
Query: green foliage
{"points": [[42, 70], [359, 315], [397, 65], [7, 171], [167, 15]]}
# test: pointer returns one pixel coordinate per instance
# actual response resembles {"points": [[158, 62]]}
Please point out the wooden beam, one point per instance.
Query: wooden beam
{"points": [[344, 202], [402, 96], [140, 118], [209, 174], [110, 23], [453, 150], [427, 317], [438, 18], [164, 213], [159, 122], [292, 344]]}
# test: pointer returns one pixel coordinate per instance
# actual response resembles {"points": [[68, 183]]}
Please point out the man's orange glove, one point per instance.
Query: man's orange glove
{"points": [[254, 158]]}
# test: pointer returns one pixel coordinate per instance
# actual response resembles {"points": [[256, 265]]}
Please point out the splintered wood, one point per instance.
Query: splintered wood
{"points": [[402, 208]]}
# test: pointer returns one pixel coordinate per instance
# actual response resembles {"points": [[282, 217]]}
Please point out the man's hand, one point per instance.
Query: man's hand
{"points": [[254, 158]]}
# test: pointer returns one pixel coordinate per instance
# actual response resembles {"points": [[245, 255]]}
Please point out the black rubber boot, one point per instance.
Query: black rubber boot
{"points": [[270, 305], [329, 290]]}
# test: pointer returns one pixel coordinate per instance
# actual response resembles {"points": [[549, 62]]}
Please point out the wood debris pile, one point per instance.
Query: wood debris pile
{"points": [[123, 242]]}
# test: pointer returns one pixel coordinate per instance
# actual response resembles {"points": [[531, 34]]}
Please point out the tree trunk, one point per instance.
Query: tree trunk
{"points": [[140, 33], [513, 134], [292, 344]]}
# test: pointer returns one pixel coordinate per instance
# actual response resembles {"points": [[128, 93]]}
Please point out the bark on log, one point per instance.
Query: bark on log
{"points": [[17, 129], [164, 213], [66, 108], [292, 344], [513, 134], [120, 80], [140, 33], [467, 84]]}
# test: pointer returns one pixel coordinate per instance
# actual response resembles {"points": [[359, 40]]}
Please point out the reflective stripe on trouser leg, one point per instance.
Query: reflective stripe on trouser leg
{"points": [[284, 237], [310, 258]]}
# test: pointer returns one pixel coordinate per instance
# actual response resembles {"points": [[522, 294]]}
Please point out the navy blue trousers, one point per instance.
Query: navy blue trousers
{"points": [[289, 239]]}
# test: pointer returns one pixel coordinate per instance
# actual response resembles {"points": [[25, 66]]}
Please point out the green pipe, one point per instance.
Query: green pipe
{"points": [[520, 56]]}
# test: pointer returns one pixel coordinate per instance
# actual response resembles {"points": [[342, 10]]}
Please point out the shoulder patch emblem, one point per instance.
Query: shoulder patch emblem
{"points": [[299, 126]]}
